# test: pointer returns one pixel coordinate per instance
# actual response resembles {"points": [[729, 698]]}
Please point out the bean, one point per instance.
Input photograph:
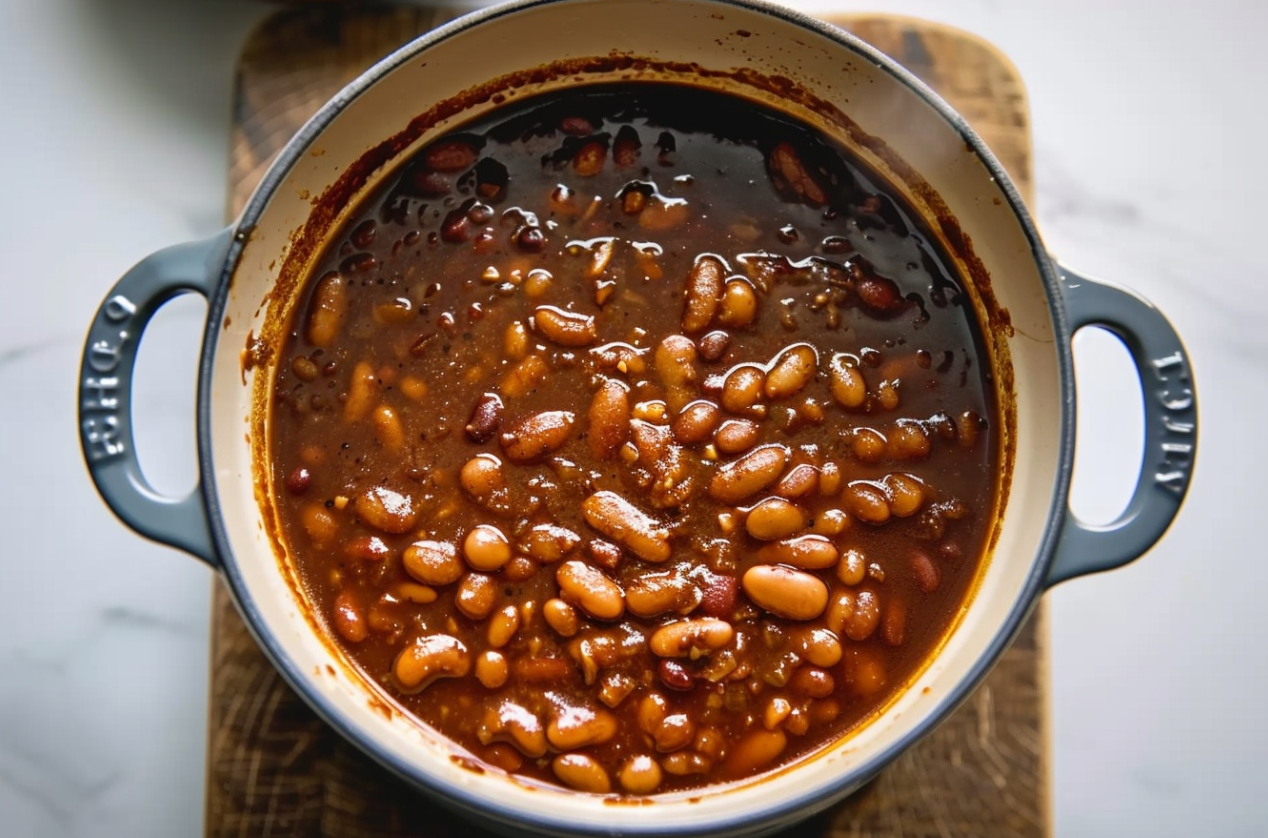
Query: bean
{"points": [[530, 438], [852, 567], [925, 572], [319, 524], [704, 294], [829, 478], [865, 673], [847, 384], [674, 360], [486, 415], [791, 594], [894, 624], [620, 520], [736, 436], [591, 591], [413, 592], [879, 296], [821, 647], [776, 711], [657, 593], [432, 562], [785, 162], [864, 618], [718, 597], [652, 710], [524, 377], [348, 617], [739, 304], [806, 552], [714, 345], [561, 617], [367, 548], [604, 553], [867, 445], [690, 638], [579, 771], [450, 156], [590, 159], [801, 480], [326, 310], [491, 669], [748, 475], [362, 392], [968, 425], [830, 522], [906, 494], [791, 371], [684, 763], [387, 428], [580, 727], [566, 328], [742, 389], [609, 418], [866, 501], [775, 518], [519, 569], [908, 441], [428, 658], [298, 480], [476, 595], [502, 626], [548, 543], [696, 422], [887, 394], [515, 341], [640, 775], [517, 724], [304, 368], [481, 476], [674, 733], [754, 750], [813, 682], [386, 510], [504, 757], [486, 548], [674, 675]]}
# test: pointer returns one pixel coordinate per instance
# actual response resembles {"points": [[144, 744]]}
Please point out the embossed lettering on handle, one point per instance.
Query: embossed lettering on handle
{"points": [[1171, 429], [105, 394]]}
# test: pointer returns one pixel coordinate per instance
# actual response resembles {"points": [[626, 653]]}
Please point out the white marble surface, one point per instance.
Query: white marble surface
{"points": [[1149, 126]]}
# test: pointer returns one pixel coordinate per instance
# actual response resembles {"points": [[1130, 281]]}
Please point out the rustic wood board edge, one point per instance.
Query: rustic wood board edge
{"points": [[273, 768]]}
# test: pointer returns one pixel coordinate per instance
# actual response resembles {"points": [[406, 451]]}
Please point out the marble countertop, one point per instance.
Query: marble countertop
{"points": [[1149, 131]]}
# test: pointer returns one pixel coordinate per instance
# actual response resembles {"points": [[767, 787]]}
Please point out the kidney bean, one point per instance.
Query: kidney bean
{"points": [[449, 156], [704, 293], [894, 623], [348, 618], [529, 438], [786, 163], [718, 596], [485, 418], [626, 524], [298, 481], [430, 657], [925, 573], [791, 594], [714, 345], [748, 475], [674, 675]]}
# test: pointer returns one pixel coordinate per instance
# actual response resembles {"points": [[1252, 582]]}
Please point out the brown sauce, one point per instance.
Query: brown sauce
{"points": [[635, 438]]}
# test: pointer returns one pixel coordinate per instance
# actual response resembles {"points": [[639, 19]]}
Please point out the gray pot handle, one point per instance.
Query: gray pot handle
{"points": [[105, 397], [1171, 428]]}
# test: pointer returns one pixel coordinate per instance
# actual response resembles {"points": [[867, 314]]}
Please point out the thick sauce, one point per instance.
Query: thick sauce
{"points": [[636, 439]]}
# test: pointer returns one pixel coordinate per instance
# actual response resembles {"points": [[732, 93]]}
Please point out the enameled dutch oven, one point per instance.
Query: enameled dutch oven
{"points": [[750, 49]]}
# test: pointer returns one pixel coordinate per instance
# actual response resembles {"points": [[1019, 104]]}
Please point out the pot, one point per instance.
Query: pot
{"points": [[249, 273]]}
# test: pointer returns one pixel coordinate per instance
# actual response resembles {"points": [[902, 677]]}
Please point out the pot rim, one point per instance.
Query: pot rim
{"points": [[813, 799]]}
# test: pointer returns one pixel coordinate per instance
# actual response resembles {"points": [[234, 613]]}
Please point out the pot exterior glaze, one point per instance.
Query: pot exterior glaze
{"points": [[399, 105]]}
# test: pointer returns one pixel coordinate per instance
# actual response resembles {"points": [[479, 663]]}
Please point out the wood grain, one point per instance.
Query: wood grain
{"points": [[275, 769]]}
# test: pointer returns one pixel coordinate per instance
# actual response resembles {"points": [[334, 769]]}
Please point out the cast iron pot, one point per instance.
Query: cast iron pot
{"points": [[750, 49]]}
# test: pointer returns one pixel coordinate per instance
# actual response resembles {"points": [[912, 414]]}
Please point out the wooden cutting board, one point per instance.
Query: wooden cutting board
{"points": [[275, 769]]}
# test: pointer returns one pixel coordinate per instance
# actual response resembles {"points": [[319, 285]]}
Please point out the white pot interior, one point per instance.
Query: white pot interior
{"points": [[713, 36]]}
